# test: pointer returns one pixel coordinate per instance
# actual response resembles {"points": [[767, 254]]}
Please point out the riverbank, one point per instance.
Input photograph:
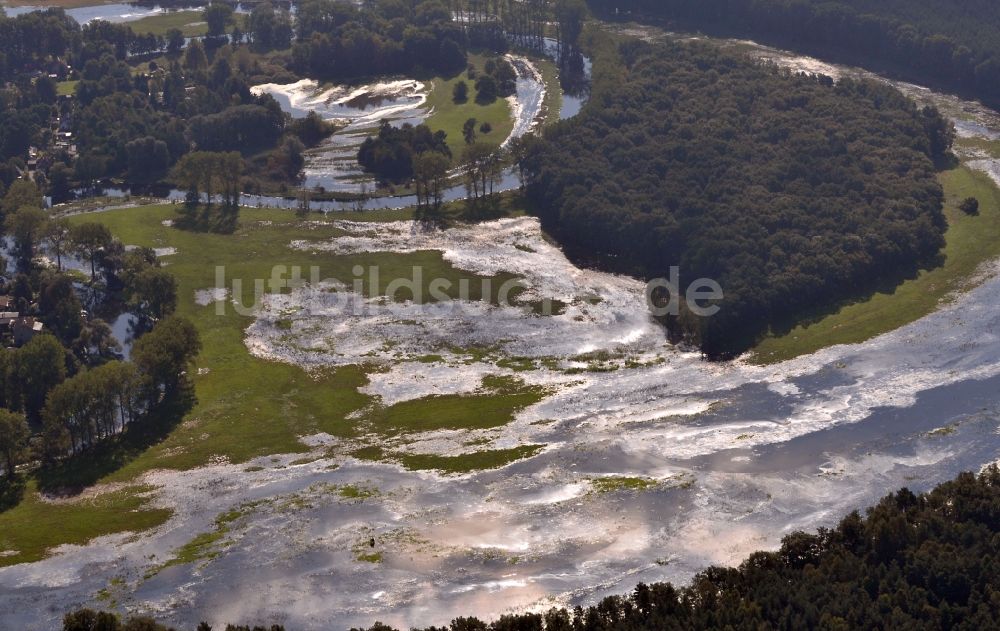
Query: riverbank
{"points": [[316, 430], [971, 243]]}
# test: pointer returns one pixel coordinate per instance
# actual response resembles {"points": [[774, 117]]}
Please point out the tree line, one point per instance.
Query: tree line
{"points": [[790, 191], [951, 43]]}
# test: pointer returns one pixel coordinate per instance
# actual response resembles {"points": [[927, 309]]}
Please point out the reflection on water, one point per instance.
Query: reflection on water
{"points": [[741, 455]]}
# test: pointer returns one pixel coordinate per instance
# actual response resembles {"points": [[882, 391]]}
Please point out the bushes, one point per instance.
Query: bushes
{"points": [[390, 155]]}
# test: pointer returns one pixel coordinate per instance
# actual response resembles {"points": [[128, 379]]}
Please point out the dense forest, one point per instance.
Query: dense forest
{"points": [[790, 191], [925, 561], [341, 40], [951, 43]]}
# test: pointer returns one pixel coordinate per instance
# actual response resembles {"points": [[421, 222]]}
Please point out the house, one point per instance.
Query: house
{"points": [[24, 329]]}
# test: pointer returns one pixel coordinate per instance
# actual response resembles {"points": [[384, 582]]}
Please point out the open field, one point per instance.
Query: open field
{"points": [[190, 23], [29, 530], [66, 88], [449, 116], [971, 241]]}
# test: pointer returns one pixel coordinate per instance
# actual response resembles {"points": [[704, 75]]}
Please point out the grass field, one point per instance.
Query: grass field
{"points": [[29, 530], [247, 407], [190, 23], [449, 116], [553, 91], [464, 463], [971, 240], [66, 88]]}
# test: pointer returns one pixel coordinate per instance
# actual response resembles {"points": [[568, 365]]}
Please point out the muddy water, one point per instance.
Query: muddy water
{"points": [[737, 455]]}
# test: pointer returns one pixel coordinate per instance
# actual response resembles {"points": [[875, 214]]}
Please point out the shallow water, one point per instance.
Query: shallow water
{"points": [[740, 455]]}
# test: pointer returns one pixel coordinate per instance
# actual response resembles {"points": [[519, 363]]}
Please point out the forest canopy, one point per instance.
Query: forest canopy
{"points": [[952, 43], [791, 191]]}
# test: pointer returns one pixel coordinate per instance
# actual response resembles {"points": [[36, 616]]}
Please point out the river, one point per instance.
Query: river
{"points": [[738, 455]]}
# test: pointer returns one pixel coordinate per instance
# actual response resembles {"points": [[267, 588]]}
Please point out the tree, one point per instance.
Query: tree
{"points": [[21, 193], [460, 93], [89, 168], [88, 240], [430, 173], [22, 292], [311, 129], [166, 352], [195, 60], [487, 90], [480, 164], [96, 341], [27, 226], [154, 293], [570, 15], [269, 29], [59, 183], [969, 206], [60, 307], [175, 42], [521, 149], [469, 131], [57, 235], [217, 15], [45, 89], [14, 435], [210, 171], [36, 368], [148, 161]]}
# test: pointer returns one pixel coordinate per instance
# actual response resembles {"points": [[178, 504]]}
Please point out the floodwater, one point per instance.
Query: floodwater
{"points": [[735, 456], [359, 110]]}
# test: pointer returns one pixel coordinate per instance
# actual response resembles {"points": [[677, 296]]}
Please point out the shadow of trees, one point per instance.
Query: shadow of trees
{"points": [[11, 491], [71, 476], [208, 218]]}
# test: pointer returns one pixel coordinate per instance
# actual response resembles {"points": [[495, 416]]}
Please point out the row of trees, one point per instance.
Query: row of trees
{"points": [[79, 411], [791, 192], [211, 173], [101, 402], [492, 23], [953, 43]]}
